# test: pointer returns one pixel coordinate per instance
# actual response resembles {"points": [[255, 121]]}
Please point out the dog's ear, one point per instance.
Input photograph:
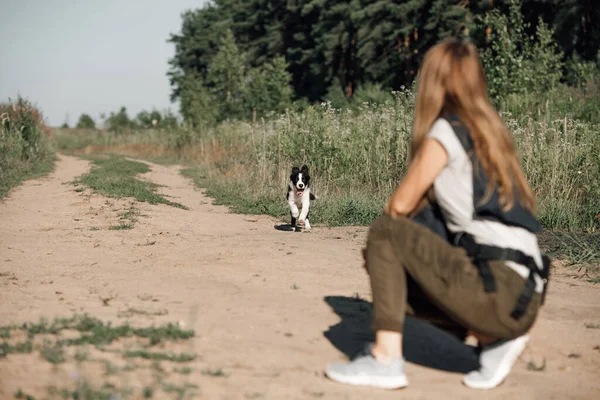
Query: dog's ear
{"points": [[295, 170], [304, 169]]}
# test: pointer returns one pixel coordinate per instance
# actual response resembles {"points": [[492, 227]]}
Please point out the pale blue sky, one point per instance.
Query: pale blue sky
{"points": [[76, 56]]}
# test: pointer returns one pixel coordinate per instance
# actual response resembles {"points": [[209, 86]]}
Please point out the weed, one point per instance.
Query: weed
{"points": [[24, 149], [295, 287], [581, 249], [81, 355], [180, 390], [592, 326], [24, 347], [110, 368], [182, 357], [93, 332], [168, 332], [131, 214], [53, 353], [5, 333], [594, 280], [134, 311], [532, 366], [21, 395], [218, 373], [87, 392], [148, 393], [121, 226], [184, 370]]}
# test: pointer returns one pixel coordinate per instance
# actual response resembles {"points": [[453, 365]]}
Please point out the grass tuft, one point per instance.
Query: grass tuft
{"points": [[114, 176], [159, 356]]}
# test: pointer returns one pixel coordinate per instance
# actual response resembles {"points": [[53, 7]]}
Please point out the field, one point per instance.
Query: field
{"points": [[125, 277]]}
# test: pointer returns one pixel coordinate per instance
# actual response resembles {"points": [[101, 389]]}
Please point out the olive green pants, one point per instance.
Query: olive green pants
{"points": [[414, 271]]}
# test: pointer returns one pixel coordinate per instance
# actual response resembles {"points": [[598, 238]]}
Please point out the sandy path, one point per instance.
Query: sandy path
{"points": [[254, 295]]}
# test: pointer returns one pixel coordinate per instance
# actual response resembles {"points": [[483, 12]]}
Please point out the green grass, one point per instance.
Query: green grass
{"points": [[25, 171], [577, 249], [46, 337], [92, 332], [216, 373], [183, 370], [160, 356], [348, 209], [53, 352], [86, 391], [358, 158], [114, 176], [25, 151], [20, 395], [180, 390]]}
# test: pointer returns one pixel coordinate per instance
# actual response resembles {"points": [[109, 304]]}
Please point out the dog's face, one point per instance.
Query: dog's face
{"points": [[300, 178]]}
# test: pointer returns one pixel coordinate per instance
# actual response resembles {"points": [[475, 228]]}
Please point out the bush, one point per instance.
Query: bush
{"points": [[85, 122], [23, 143]]}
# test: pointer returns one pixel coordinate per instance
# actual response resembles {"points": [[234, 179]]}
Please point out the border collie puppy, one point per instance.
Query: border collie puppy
{"points": [[299, 195]]}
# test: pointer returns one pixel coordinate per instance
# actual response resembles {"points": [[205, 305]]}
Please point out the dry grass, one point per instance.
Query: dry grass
{"points": [[356, 160]]}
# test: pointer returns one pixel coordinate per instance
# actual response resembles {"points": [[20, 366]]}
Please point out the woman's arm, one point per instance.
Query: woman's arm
{"points": [[420, 176]]}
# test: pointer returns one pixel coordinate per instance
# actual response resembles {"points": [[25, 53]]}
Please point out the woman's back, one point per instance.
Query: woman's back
{"points": [[453, 190]]}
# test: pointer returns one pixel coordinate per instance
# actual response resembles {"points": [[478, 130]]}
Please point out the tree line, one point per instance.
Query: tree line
{"points": [[120, 121], [245, 59]]}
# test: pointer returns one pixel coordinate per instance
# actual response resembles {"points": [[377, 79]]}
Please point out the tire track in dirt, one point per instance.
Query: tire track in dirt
{"points": [[253, 294]]}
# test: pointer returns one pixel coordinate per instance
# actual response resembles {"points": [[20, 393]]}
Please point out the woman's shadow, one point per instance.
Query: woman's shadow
{"points": [[422, 342]]}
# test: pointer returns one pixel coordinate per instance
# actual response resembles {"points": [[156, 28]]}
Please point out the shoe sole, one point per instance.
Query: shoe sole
{"points": [[380, 382], [504, 368]]}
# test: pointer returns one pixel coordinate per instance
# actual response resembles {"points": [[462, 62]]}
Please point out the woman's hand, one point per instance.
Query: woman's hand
{"points": [[420, 176]]}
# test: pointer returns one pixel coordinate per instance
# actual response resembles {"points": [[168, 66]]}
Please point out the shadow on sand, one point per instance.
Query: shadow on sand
{"points": [[423, 343], [286, 228]]}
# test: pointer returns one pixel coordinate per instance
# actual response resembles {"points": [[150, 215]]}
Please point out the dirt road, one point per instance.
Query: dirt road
{"points": [[260, 300]]}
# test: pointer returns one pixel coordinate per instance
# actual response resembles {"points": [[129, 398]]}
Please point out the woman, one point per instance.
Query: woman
{"points": [[477, 267]]}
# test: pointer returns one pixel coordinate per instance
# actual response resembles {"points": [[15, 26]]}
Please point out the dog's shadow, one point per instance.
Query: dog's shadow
{"points": [[287, 228], [422, 342]]}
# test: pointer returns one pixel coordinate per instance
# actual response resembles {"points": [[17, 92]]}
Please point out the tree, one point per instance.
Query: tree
{"points": [[269, 89], [545, 61], [503, 59], [197, 44], [225, 78], [577, 26], [119, 122], [350, 43], [149, 120], [85, 122], [197, 105]]}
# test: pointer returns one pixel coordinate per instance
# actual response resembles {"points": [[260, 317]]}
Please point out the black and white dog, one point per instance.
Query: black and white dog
{"points": [[299, 195]]}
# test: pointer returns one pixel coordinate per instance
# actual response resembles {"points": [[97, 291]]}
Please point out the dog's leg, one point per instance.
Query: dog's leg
{"points": [[305, 210], [293, 210]]}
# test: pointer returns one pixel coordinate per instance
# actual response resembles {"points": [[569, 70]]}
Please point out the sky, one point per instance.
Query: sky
{"points": [[70, 57]]}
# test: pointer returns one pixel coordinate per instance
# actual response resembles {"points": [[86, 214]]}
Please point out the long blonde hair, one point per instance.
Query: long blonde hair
{"points": [[451, 79]]}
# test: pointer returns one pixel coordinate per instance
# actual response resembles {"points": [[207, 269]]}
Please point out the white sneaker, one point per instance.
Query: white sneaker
{"points": [[365, 370], [496, 361]]}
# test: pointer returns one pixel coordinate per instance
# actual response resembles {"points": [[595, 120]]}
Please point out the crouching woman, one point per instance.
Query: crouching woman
{"points": [[457, 244]]}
